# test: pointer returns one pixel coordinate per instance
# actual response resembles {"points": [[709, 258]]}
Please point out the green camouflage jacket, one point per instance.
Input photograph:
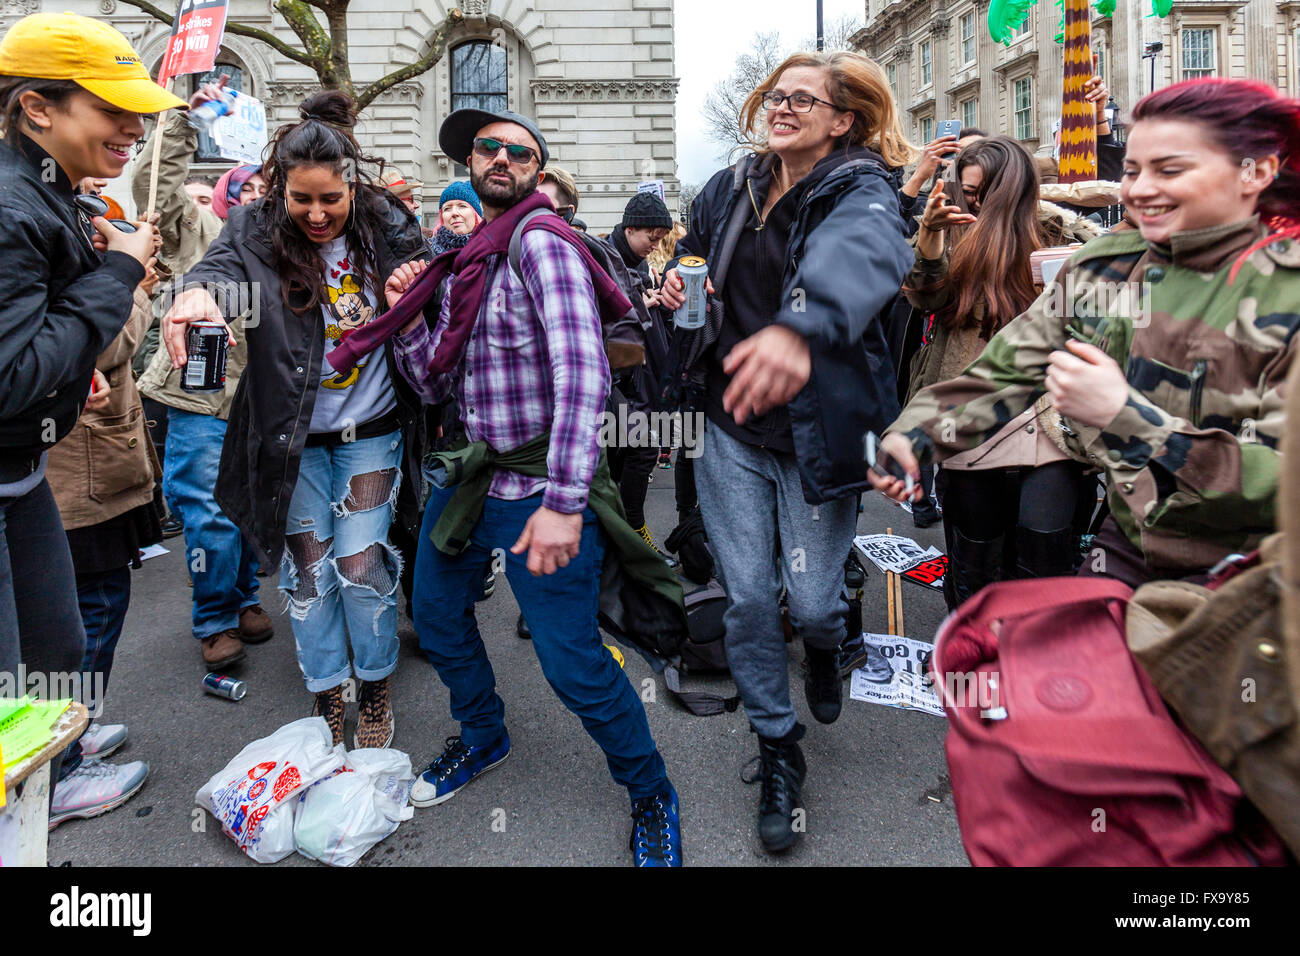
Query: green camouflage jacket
{"points": [[1191, 460]]}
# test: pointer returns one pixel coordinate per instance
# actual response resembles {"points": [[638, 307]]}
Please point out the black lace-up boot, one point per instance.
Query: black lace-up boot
{"points": [[781, 772]]}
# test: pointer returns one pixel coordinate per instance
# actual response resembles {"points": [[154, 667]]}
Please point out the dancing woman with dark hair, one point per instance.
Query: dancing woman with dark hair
{"points": [[313, 458], [1008, 504], [1180, 399]]}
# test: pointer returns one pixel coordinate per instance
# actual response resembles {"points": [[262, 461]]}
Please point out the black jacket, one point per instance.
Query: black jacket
{"points": [[62, 304], [272, 408], [846, 260]]}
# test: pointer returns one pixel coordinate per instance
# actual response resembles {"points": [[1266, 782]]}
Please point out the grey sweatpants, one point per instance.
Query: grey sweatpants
{"points": [[763, 533]]}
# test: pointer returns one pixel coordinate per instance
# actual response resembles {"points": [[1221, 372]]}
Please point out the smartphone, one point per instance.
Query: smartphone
{"points": [[885, 466], [948, 128]]}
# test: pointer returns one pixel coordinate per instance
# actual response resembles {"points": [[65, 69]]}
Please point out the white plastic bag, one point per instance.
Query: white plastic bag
{"points": [[341, 818], [254, 795]]}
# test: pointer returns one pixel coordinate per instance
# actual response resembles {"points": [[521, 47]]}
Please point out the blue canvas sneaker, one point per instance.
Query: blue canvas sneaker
{"points": [[457, 766], [656, 830]]}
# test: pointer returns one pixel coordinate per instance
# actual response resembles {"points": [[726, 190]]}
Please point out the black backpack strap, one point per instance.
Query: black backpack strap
{"points": [[699, 704], [516, 251]]}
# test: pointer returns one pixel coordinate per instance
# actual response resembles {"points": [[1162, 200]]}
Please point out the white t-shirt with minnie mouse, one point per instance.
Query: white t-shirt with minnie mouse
{"points": [[365, 393]]}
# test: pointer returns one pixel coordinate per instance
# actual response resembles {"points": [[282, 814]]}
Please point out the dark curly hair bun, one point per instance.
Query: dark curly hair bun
{"points": [[335, 107]]}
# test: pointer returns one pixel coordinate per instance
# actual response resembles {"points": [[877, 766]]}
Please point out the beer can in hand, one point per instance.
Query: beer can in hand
{"points": [[222, 686], [694, 273], [206, 344]]}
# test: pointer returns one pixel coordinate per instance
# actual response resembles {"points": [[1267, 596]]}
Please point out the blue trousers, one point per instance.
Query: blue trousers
{"points": [[220, 561], [560, 609], [104, 599]]}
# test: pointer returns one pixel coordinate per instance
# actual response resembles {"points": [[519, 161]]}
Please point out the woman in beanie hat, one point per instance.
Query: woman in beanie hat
{"points": [[459, 213], [237, 187], [71, 94]]}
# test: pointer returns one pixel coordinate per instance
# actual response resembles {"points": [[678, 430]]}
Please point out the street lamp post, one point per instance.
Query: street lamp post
{"points": [[1152, 51], [821, 32]]}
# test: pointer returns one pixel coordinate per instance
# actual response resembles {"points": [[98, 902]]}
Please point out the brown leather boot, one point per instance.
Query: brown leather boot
{"points": [[223, 649], [375, 728], [329, 704], [255, 625]]}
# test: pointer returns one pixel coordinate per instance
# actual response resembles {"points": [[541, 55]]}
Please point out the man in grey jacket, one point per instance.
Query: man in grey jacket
{"points": [[226, 613]]}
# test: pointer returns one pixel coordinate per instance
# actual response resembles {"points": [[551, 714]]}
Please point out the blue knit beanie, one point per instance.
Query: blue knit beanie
{"points": [[464, 192]]}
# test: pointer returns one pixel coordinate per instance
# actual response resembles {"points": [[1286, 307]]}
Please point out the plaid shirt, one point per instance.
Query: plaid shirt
{"points": [[535, 361]]}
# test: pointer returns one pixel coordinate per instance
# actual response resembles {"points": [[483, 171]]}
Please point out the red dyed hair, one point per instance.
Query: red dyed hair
{"points": [[1248, 120]]}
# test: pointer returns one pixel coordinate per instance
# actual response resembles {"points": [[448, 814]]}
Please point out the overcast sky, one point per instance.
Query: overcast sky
{"points": [[709, 35]]}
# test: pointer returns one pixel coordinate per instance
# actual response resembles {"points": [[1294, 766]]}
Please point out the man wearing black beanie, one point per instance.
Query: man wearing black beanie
{"points": [[645, 223]]}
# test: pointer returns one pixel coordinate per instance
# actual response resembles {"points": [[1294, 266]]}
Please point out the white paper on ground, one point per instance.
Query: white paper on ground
{"points": [[153, 551], [893, 552], [896, 674]]}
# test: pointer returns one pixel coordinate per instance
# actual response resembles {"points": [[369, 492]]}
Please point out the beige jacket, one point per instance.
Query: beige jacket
{"points": [[187, 230], [106, 466], [1032, 438]]}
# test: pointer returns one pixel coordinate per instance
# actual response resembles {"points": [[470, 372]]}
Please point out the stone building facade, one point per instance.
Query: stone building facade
{"points": [[943, 64], [598, 77]]}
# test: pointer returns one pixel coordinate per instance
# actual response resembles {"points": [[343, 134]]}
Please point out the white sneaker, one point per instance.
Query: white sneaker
{"points": [[94, 788], [100, 740]]}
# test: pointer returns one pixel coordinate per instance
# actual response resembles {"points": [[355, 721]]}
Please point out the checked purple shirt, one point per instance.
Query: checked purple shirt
{"points": [[535, 361]]}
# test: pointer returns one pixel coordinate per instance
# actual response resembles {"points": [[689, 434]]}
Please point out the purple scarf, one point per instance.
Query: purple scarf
{"points": [[472, 267]]}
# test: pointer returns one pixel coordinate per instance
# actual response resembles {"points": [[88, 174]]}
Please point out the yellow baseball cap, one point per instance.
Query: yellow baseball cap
{"points": [[65, 46]]}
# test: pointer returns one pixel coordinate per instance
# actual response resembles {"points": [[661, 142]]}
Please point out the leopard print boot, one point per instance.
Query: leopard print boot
{"points": [[329, 704], [375, 727]]}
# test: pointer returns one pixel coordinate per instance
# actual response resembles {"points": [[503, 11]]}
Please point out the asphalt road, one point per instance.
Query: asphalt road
{"points": [[877, 791]]}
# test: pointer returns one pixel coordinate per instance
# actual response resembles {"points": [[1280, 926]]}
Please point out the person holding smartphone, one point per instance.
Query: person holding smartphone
{"points": [[1181, 401], [63, 301]]}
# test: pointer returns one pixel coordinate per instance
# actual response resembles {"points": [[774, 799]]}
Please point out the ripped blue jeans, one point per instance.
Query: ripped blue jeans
{"points": [[339, 572]]}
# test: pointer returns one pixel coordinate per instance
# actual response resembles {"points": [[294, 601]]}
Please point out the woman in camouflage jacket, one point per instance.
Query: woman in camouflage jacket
{"points": [[1166, 350]]}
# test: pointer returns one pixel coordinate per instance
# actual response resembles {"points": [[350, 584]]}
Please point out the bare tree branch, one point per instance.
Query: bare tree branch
{"points": [[836, 35], [722, 106], [437, 47], [239, 29]]}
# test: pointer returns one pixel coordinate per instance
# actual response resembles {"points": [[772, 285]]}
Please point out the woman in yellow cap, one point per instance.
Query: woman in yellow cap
{"points": [[71, 94]]}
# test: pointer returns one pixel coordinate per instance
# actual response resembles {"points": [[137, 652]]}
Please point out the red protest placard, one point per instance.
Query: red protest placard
{"points": [[929, 574], [195, 40]]}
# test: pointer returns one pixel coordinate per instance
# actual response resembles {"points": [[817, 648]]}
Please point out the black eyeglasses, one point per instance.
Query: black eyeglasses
{"points": [[799, 102], [567, 213], [93, 205], [516, 153]]}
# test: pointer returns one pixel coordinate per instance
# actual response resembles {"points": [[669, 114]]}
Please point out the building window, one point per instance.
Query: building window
{"points": [[1024, 107], [207, 151], [1023, 28], [478, 77], [968, 116], [927, 129], [1199, 52], [968, 38], [927, 75], [1099, 50], [892, 72]]}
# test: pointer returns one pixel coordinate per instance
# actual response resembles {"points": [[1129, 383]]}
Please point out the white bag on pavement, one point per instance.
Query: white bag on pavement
{"points": [[255, 794], [341, 818]]}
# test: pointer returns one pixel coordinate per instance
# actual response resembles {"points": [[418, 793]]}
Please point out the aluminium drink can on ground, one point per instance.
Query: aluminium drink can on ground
{"points": [[206, 345], [220, 685]]}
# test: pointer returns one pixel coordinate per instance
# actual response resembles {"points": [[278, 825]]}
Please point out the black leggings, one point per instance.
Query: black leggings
{"points": [[985, 504]]}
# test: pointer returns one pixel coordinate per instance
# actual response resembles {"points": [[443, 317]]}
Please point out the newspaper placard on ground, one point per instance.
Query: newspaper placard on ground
{"points": [[929, 574], [893, 552], [896, 674]]}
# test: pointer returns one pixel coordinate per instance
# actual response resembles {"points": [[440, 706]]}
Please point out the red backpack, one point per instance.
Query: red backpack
{"points": [[1060, 750]]}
